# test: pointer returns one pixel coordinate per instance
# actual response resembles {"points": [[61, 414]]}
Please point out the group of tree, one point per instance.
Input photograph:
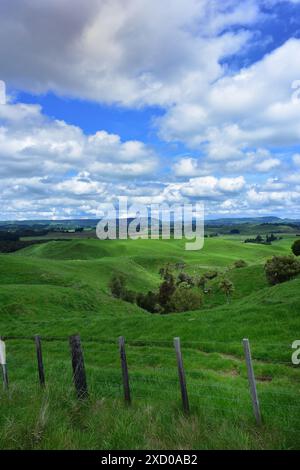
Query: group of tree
{"points": [[211, 235], [261, 240], [175, 293]]}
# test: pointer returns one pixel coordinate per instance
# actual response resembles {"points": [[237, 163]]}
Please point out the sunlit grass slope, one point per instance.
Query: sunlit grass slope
{"points": [[60, 288]]}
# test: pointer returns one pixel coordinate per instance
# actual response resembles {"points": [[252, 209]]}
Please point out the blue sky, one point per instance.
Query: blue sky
{"points": [[133, 98]]}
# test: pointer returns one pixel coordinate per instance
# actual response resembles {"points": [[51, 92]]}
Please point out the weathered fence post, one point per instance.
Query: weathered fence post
{"points": [[124, 367], [252, 382], [3, 364], [181, 374], [39, 356], [79, 376]]}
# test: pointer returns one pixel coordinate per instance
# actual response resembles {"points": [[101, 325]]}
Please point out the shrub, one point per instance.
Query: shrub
{"points": [[184, 299], [118, 289], [183, 277], [129, 296], [148, 302], [227, 287], [240, 263], [281, 268], [201, 282], [296, 247], [211, 274], [166, 290], [118, 285]]}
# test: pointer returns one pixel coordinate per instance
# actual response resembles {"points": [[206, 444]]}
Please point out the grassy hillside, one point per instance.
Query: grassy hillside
{"points": [[60, 288]]}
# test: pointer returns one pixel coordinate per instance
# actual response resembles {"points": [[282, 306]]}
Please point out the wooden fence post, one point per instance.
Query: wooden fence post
{"points": [[252, 382], [39, 356], [79, 376], [3, 363], [124, 367], [181, 374]]}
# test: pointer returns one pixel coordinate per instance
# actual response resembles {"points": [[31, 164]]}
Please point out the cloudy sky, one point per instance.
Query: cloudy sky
{"points": [[188, 100]]}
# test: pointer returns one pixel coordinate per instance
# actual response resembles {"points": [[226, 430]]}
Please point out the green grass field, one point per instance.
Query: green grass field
{"points": [[56, 289]]}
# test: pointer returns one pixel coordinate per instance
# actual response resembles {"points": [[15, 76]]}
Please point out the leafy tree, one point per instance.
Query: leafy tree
{"points": [[227, 287], [184, 277], [281, 268], [296, 247], [166, 290], [271, 238], [184, 298]]}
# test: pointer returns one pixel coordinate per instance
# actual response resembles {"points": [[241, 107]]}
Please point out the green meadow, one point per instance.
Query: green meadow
{"points": [[60, 288]]}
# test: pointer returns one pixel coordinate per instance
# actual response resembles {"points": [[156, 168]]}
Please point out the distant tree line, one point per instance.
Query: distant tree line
{"points": [[263, 241]]}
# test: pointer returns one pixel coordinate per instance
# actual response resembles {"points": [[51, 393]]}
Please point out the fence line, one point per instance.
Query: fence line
{"points": [[142, 342], [161, 343], [133, 383]]}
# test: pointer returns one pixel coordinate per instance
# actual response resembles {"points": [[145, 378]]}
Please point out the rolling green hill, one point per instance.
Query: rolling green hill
{"points": [[59, 288]]}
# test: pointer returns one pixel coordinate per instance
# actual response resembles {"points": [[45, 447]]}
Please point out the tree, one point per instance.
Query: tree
{"points": [[296, 247], [227, 287], [184, 277], [118, 285], [148, 302], [201, 282], [166, 290], [281, 268], [184, 298], [118, 288], [271, 238]]}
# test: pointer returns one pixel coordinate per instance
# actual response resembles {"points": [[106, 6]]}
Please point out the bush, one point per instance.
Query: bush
{"points": [[118, 289], [186, 278], [227, 287], [166, 290], [281, 268], [129, 296], [296, 247], [118, 285], [148, 302], [184, 299], [211, 274], [240, 263]]}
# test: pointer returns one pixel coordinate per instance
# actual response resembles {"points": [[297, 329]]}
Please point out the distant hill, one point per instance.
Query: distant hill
{"points": [[251, 220], [71, 223]]}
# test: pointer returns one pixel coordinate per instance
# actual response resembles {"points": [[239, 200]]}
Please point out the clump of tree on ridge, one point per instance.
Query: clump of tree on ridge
{"points": [[261, 240]]}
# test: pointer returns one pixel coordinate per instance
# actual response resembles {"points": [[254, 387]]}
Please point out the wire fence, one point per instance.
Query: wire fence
{"points": [[213, 389]]}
